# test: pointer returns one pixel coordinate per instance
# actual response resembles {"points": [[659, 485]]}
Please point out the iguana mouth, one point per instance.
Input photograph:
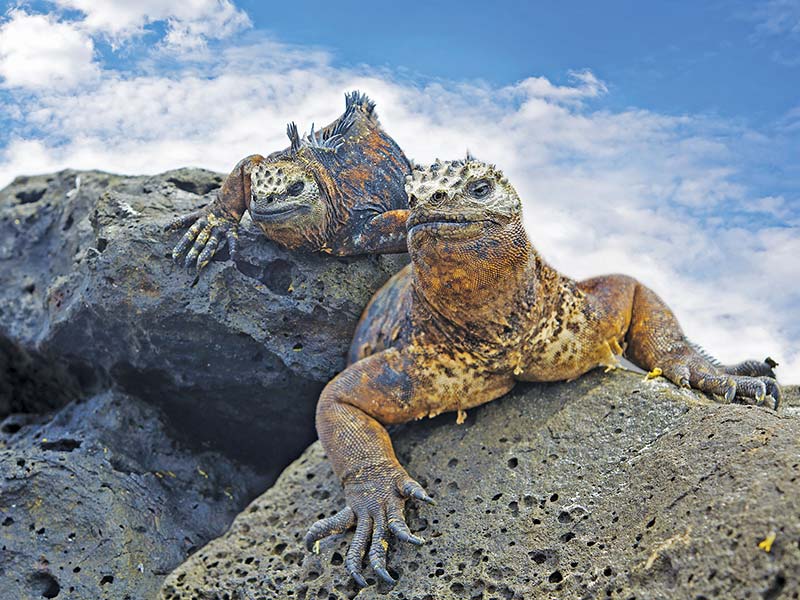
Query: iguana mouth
{"points": [[278, 213], [443, 223]]}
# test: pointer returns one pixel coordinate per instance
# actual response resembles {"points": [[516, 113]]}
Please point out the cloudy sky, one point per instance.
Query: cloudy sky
{"points": [[663, 142]]}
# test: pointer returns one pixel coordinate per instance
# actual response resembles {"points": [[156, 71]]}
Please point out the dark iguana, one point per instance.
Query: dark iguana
{"points": [[338, 190], [476, 311]]}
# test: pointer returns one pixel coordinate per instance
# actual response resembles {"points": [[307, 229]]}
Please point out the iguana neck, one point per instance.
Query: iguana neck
{"points": [[480, 285]]}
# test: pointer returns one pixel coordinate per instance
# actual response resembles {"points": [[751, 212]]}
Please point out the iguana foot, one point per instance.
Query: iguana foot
{"points": [[762, 390], [209, 228], [375, 507], [687, 370]]}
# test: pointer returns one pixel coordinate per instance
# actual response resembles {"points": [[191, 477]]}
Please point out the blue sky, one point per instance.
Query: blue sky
{"points": [[672, 56], [660, 139]]}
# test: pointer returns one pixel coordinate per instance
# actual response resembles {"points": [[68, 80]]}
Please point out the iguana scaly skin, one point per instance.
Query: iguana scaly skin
{"points": [[476, 311], [338, 190]]}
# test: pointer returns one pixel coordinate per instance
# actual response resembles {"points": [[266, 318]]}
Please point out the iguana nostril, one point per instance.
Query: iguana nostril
{"points": [[271, 198]]}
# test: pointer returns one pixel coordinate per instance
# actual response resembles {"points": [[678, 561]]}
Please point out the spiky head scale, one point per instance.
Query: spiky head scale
{"points": [[277, 178], [457, 186]]}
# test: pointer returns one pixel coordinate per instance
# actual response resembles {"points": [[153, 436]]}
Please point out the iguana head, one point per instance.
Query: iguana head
{"points": [[306, 195], [459, 201], [285, 197]]}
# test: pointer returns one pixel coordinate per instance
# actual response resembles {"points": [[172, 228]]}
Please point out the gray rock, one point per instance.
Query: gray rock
{"points": [[608, 486], [99, 502], [235, 358]]}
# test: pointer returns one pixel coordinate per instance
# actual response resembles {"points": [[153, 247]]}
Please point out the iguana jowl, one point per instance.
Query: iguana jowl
{"points": [[475, 312], [337, 190]]}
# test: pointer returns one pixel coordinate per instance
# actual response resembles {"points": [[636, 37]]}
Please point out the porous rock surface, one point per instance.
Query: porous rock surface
{"points": [[608, 486], [90, 297], [98, 502]]}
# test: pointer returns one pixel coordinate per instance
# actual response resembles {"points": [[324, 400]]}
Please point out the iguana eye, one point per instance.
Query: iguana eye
{"points": [[438, 197], [296, 188], [480, 188]]}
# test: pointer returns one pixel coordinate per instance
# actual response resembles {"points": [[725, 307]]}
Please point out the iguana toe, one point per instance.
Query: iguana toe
{"points": [[411, 489], [338, 523], [357, 549], [379, 547], [184, 220], [187, 240], [730, 392]]}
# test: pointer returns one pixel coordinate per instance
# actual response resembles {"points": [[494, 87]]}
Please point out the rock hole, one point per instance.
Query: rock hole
{"points": [[277, 277], [29, 197], [68, 223], [192, 187], [538, 557], [107, 579], [555, 577], [45, 585], [8, 521], [513, 462], [775, 589], [12, 428], [64, 445]]}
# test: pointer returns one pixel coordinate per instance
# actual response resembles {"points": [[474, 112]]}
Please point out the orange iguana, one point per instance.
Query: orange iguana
{"points": [[338, 190], [476, 311]]}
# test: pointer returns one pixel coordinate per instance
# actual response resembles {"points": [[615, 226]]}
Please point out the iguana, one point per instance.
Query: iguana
{"points": [[476, 311], [338, 190]]}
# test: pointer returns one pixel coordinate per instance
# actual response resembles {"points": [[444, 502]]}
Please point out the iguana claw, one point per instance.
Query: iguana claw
{"points": [[198, 245], [375, 507]]}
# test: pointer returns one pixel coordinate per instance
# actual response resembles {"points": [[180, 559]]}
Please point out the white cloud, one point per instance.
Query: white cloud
{"points": [[189, 22], [627, 191], [36, 51]]}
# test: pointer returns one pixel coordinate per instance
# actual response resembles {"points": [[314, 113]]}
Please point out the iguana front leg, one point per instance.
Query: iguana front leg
{"points": [[216, 222], [389, 387], [656, 342], [384, 233], [351, 415]]}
